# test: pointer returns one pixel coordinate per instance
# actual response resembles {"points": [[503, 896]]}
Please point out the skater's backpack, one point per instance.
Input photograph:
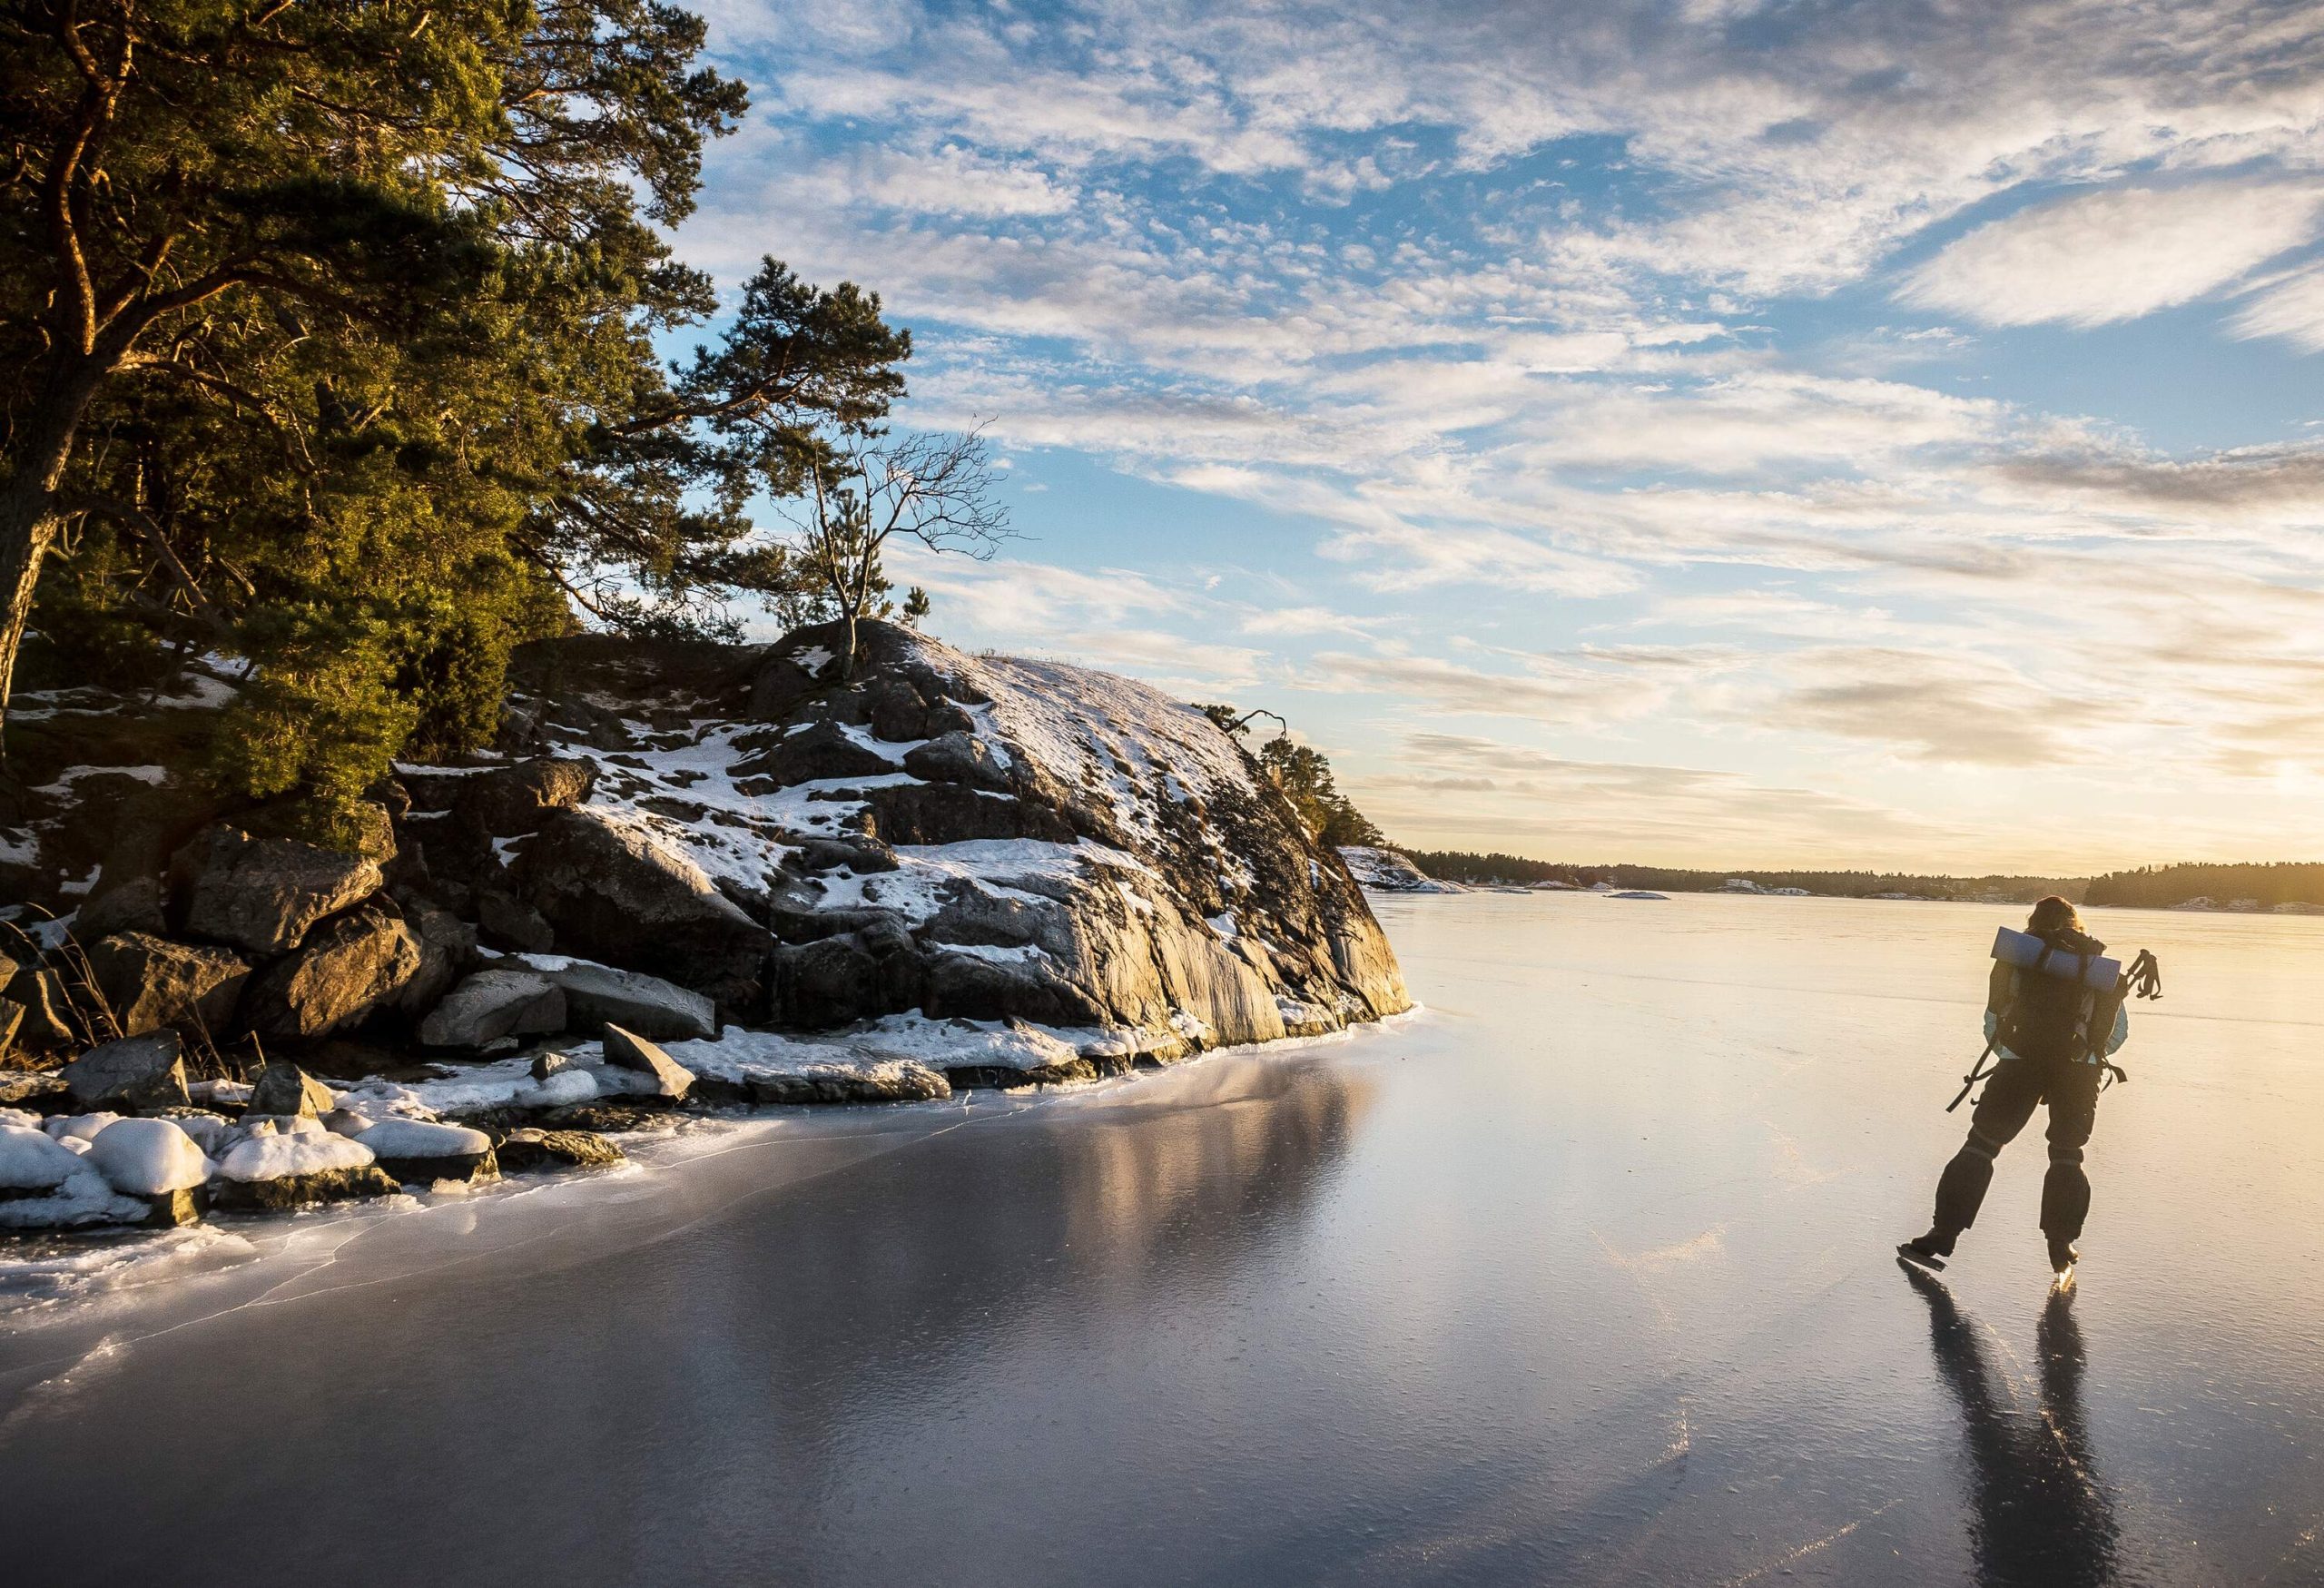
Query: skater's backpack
{"points": [[2054, 995]]}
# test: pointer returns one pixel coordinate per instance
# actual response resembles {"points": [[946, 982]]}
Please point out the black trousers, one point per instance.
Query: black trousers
{"points": [[2018, 1086]]}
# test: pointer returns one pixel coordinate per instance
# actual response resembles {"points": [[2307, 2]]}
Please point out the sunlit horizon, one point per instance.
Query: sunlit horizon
{"points": [[1707, 436]]}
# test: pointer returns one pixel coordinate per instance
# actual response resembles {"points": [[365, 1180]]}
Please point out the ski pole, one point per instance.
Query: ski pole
{"points": [[1976, 1073]]}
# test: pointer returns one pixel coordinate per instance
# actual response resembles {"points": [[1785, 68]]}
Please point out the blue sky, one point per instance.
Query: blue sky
{"points": [[1710, 433]]}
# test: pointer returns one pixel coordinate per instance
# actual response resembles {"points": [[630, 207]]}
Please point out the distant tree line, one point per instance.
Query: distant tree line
{"points": [[1453, 865], [1462, 866], [2160, 887]]}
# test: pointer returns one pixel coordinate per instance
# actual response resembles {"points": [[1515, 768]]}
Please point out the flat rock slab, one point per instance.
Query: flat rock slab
{"points": [[528, 1149], [286, 1192], [494, 1003], [597, 996]]}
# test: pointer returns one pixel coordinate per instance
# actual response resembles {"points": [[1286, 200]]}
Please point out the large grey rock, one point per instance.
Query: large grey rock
{"points": [[957, 757], [512, 800], [149, 982], [616, 895], [817, 751], [512, 925], [600, 995], [447, 953], [951, 812], [351, 969], [494, 1003], [284, 1089], [264, 893], [629, 1051], [134, 906], [143, 1074]]}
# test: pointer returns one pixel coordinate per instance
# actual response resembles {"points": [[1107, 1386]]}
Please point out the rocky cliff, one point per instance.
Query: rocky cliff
{"points": [[942, 871]]}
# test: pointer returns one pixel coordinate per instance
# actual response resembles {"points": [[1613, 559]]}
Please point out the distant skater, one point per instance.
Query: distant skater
{"points": [[2052, 1035]]}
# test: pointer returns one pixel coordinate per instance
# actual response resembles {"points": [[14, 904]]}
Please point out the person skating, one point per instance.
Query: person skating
{"points": [[2052, 1036]]}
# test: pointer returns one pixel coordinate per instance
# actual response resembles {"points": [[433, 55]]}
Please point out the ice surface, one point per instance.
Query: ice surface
{"points": [[1584, 1278]]}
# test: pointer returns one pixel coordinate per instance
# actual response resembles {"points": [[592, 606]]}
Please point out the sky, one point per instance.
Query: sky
{"points": [[1710, 433]]}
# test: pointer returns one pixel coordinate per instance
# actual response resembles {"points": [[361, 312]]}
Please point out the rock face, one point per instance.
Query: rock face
{"points": [[942, 837], [262, 893], [493, 1004], [616, 892], [356, 967], [151, 982], [143, 1072]]}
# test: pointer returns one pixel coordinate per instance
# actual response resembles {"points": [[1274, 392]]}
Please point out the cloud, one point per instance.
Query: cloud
{"points": [[2117, 254], [2291, 308]]}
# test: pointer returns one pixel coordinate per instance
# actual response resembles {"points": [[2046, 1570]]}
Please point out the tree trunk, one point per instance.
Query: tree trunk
{"points": [[847, 661], [27, 530], [28, 517]]}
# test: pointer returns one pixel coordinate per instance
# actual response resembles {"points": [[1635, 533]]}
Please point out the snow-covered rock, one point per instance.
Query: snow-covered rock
{"points": [[33, 1161], [421, 1151], [268, 1153], [1385, 871], [149, 1157], [599, 995]]}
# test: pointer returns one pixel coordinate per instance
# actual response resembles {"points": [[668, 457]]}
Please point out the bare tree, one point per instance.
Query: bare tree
{"points": [[936, 489]]}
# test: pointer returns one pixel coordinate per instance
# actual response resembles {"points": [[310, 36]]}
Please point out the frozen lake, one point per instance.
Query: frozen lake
{"points": [[1582, 1276]]}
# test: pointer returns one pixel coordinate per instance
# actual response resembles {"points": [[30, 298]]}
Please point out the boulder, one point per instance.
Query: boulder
{"points": [[286, 1091], [819, 985], [171, 1210], [149, 1157], [47, 1024], [957, 757], [447, 953], [143, 1072], [134, 906], [947, 812], [629, 1051], [352, 969], [617, 895], [599, 995], [508, 801], [512, 925], [264, 893], [527, 1149], [421, 1151], [806, 754], [32, 1161], [283, 1193], [861, 856], [150, 982], [494, 1003]]}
